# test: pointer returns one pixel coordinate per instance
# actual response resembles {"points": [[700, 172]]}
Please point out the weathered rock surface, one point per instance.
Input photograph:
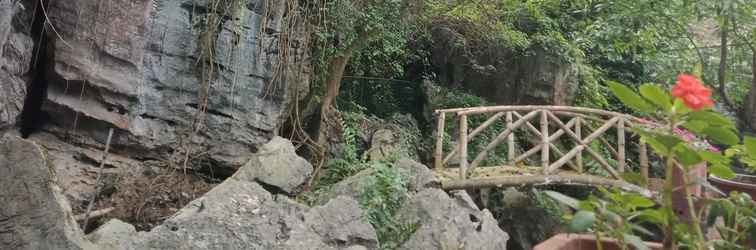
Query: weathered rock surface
{"points": [[241, 214], [498, 74], [419, 177], [34, 214], [113, 234], [525, 219], [277, 164], [444, 222], [15, 56], [132, 65]]}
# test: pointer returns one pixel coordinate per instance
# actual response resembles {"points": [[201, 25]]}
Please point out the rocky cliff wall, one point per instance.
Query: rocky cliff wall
{"points": [[499, 74], [135, 66]]}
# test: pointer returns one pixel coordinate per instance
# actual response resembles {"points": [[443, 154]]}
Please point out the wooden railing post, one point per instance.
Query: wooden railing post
{"points": [[579, 133], [439, 154], [621, 145], [463, 147], [545, 140], [511, 142], [643, 161]]}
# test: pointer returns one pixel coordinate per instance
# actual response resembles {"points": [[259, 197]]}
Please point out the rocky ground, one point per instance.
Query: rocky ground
{"points": [[253, 209]]}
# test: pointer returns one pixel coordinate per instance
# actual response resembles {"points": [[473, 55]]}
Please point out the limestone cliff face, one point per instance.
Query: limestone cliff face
{"points": [[135, 66], [500, 75]]}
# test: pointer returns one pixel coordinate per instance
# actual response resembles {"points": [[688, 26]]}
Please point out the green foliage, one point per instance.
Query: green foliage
{"points": [[350, 161], [383, 194], [614, 214], [738, 214]]}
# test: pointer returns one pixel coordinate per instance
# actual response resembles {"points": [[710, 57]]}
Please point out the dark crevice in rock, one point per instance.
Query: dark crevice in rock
{"points": [[212, 111], [83, 158], [272, 189], [32, 116], [151, 117]]}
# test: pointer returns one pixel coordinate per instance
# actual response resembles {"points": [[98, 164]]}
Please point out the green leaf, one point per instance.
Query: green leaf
{"points": [[696, 126], [711, 118], [640, 201], [634, 178], [569, 201], [714, 158], [656, 95], [652, 216], [722, 171], [715, 210], [629, 98], [661, 143], [721, 135], [750, 145], [687, 156], [635, 241], [582, 221]]}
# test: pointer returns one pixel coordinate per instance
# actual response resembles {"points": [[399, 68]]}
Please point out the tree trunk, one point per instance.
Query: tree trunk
{"points": [[750, 102], [335, 73], [722, 76]]}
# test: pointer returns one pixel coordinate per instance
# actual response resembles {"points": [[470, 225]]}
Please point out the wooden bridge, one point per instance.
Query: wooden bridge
{"points": [[567, 138]]}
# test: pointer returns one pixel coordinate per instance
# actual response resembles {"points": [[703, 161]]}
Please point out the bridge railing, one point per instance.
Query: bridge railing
{"points": [[583, 126]]}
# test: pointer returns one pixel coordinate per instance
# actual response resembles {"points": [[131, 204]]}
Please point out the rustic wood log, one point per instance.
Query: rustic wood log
{"points": [[485, 125], [463, 147], [565, 179], [545, 140], [474, 133], [510, 141], [499, 138], [438, 155], [591, 137], [579, 134], [565, 158], [553, 137], [643, 161], [529, 153], [491, 109], [621, 145]]}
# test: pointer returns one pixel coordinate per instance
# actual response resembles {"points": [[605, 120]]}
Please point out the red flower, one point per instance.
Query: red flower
{"points": [[692, 92]]}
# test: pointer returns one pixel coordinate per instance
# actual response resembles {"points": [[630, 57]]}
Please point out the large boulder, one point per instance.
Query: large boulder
{"points": [[445, 222], [34, 214], [277, 164]]}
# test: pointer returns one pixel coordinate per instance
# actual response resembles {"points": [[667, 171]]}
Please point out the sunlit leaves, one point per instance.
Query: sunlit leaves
{"points": [[656, 95], [629, 98]]}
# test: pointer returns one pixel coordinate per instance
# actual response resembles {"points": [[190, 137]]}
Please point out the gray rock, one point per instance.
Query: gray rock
{"points": [[339, 224], [236, 214], [34, 214], [446, 223], [419, 177], [114, 234], [240, 214], [383, 145], [277, 164], [15, 57], [136, 63]]}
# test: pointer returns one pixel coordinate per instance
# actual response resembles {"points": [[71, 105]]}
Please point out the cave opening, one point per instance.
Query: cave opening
{"points": [[32, 116]]}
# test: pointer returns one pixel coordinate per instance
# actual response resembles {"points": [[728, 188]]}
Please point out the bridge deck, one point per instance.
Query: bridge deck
{"points": [[498, 176]]}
